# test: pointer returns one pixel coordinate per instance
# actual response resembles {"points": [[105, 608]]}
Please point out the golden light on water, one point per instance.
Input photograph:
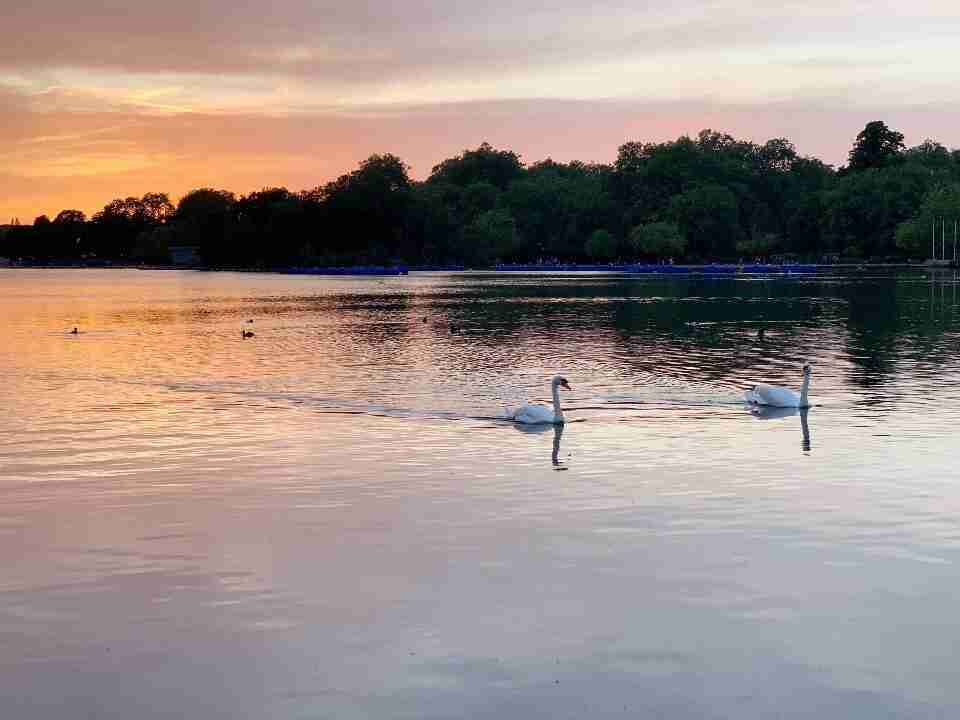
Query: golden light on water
{"points": [[336, 499]]}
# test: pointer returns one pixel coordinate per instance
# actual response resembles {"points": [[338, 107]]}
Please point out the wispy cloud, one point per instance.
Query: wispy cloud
{"points": [[90, 136], [336, 53]]}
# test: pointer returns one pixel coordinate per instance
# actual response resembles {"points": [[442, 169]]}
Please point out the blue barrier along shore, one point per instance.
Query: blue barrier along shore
{"points": [[747, 269], [352, 270], [634, 269]]}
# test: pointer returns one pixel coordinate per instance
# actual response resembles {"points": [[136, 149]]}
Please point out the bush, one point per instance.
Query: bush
{"points": [[762, 244], [601, 245], [491, 236], [659, 239]]}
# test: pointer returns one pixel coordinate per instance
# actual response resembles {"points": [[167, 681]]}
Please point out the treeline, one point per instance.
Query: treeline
{"points": [[712, 197]]}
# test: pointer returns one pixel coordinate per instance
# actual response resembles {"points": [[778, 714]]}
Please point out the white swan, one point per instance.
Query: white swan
{"points": [[541, 414], [780, 396]]}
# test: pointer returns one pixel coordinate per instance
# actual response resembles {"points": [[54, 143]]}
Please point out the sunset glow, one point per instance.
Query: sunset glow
{"points": [[120, 101]]}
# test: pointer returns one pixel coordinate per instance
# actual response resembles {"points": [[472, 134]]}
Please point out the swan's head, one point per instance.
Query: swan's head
{"points": [[807, 369], [560, 381]]}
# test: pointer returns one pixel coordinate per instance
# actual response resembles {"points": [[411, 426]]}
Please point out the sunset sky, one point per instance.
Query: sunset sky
{"points": [[108, 99]]}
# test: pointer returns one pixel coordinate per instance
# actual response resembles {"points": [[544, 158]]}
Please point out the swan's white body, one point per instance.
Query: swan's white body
{"points": [[777, 396], [540, 414]]}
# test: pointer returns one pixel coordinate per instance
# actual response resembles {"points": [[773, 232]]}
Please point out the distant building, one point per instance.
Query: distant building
{"points": [[185, 255]]}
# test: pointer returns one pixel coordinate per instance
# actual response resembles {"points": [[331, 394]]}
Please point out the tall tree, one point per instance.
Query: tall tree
{"points": [[365, 212], [67, 234], [70, 217], [708, 218], [862, 210], [157, 207], [204, 218], [271, 230], [485, 164], [875, 147]]}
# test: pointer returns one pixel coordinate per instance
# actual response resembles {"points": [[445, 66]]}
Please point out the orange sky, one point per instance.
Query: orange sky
{"points": [[121, 101]]}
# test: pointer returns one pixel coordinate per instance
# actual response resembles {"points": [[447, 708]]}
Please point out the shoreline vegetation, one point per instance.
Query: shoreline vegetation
{"points": [[520, 269], [707, 202]]}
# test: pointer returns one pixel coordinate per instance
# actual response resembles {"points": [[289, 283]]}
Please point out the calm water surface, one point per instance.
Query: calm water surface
{"points": [[329, 521]]}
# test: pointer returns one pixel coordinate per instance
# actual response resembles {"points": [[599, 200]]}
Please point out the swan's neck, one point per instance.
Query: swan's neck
{"points": [[557, 412], [803, 391]]}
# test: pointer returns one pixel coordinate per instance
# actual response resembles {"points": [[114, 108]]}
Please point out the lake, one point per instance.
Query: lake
{"points": [[332, 520]]}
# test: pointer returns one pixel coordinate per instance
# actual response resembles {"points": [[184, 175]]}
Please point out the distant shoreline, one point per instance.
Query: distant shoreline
{"points": [[631, 269]]}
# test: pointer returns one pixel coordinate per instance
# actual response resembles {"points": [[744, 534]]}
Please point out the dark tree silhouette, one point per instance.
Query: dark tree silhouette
{"points": [[875, 147], [710, 197]]}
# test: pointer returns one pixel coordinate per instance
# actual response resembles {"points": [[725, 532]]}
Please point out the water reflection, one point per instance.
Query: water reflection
{"points": [[557, 436], [161, 475], [693, 322], [557, 430], [768, 412]]}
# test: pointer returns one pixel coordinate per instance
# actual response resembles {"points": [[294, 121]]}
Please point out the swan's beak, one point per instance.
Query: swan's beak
{"points": [[565, 386]]}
